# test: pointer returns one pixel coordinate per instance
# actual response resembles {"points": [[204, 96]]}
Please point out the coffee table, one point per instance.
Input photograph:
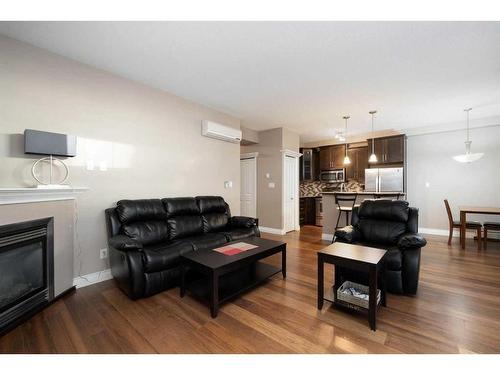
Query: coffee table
{"points": [[227, 276], [363, 259]]}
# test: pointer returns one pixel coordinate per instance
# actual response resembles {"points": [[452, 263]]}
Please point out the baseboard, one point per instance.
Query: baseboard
{"points": [[272, 230], [446, 232], [92, 278], [436, 232], [327, 237]]}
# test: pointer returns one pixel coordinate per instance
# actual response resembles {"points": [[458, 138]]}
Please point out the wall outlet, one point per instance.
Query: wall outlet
{"points": [[271, 185], [103, 253], [228, 184]]}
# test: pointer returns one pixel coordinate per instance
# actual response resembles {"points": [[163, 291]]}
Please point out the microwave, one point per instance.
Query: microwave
{"points": [[336, 175]]}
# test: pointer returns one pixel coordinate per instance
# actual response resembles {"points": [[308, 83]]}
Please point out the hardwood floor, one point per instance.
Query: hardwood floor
{"points": [[457, 310]]}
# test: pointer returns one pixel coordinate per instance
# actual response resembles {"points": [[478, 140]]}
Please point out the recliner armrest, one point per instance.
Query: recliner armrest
{"points": [[123, 242], [243, 222], [348, 234], [411, 241]]}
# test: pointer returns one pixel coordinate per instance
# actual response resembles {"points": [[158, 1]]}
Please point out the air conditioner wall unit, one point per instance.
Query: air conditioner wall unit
{"points": [[222, 132]]}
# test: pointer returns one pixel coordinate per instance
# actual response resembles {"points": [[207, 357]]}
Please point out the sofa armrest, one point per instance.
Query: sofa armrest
{"points": [[348, 234], [123, 242], [243, 222], [411, 241]]}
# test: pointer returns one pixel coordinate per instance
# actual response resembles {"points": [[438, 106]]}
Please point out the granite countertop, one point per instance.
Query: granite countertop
{"points": [[363, 192]]}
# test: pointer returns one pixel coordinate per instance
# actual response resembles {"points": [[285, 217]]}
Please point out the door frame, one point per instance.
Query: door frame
{"points": [[246, 156], [295, 155]]}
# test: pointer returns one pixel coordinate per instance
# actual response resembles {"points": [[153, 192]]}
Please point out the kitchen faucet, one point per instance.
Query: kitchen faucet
{"points": [[342, 187]]}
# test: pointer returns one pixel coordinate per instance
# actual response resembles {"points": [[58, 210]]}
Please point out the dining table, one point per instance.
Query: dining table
{"points": [[464, 210]]}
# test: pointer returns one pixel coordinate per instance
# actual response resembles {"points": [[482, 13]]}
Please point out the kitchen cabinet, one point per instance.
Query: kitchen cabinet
{"points": [[359, 162], [307, 211], [331, 157], [389, 150], [309, 165]]}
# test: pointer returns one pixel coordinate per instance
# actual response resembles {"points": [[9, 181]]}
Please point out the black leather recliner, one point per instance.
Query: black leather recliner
{"points": [[146, 238], [393, 226]]}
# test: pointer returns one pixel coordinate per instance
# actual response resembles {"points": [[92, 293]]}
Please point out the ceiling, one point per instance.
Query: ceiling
{"points": [[300, 75]]}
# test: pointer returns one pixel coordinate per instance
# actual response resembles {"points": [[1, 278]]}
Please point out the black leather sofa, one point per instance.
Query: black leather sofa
{"points": [[146, 238], [393, 226]]}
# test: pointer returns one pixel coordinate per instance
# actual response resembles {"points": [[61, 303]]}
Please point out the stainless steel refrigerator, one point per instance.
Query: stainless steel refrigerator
{"points": [[384, 179]]}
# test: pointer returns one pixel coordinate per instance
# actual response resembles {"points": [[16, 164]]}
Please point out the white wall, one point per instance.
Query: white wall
{"points": [[150, 140], [430, 161]]}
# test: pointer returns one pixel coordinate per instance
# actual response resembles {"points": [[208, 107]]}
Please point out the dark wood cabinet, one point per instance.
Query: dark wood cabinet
{"points": [[307, 211], [331, 157], [359, 161], [389, 150]]}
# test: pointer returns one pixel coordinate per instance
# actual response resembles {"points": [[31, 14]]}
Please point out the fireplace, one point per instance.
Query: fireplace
{"points": [[26, 270]]}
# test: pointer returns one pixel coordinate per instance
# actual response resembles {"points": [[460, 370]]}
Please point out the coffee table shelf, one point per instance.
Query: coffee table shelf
{"points": [[235, 283]]}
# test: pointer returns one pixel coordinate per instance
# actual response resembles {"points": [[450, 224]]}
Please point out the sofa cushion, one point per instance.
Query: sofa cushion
{"points": [[184, 226], [211, 204], [384, 209], [162, 256], [130, 211], [214, 222], [214, 213], [240, 233], [207, 241], [180, 207], [147, 232], [381, 231]]}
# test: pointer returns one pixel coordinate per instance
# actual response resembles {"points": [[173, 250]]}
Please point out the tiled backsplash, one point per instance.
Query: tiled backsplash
{"points": [[311, 189], [315, 188]]}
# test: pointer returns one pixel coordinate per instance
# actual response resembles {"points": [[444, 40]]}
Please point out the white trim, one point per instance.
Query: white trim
{"points": [[272, 230], [445, 232], [291, 153], [327, 237], [28, 195], [92, 278], [295, 155], [433, 231], [249, 155]]}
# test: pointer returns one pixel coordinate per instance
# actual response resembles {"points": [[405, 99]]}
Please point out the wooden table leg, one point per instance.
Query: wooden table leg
{"points": [[321, 276], [214, 295], [372, 310], [283, 263], [462, 228]]}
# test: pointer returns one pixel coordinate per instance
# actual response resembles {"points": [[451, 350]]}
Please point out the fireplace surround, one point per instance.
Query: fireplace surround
{"points": [[26, 270]]}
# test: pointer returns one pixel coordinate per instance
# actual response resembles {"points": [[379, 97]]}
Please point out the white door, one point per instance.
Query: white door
{"points": [[248, 193], [290, 193]]}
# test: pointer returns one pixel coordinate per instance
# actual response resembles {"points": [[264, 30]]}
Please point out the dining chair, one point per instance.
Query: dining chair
{"points": [[472, 225], [489, 226], [345, 203]]}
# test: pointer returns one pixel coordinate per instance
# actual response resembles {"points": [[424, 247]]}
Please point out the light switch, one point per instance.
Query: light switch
{"points": [[268, 175], [271, 185], [228, 184]]}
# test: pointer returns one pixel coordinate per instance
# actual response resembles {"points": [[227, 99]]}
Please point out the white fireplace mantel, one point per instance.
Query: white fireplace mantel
{"points": [[26, 195]]}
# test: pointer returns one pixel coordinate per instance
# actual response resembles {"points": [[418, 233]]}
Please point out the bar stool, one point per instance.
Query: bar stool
{"points": [[473, 225], [345, 203], [489, 225], [387, 196]]}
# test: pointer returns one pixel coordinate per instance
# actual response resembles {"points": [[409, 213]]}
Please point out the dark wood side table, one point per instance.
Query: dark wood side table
{"points": [[368, 260]]}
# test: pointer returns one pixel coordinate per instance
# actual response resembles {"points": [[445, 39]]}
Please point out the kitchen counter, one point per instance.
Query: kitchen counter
{"points": [[363, 192]]}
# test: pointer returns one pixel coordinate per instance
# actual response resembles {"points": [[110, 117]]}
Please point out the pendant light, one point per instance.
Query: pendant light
{"points": [[373, 157], [468, 157], [347, 161]]}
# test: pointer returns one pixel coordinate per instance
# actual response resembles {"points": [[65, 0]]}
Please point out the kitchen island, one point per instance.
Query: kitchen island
{"points": [[330, 211]]}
